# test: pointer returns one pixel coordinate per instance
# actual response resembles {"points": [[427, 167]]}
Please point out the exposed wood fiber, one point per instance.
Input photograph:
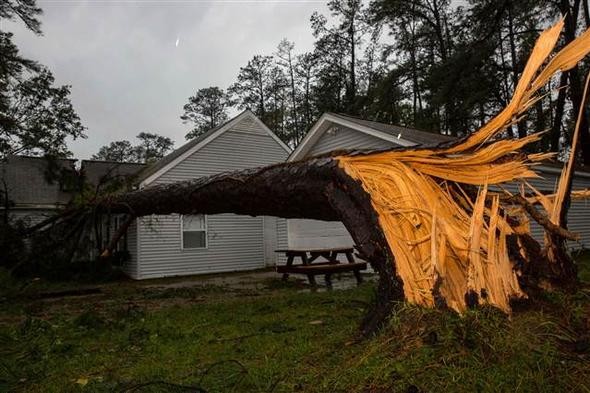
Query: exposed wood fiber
{"points": [[449, 243]]}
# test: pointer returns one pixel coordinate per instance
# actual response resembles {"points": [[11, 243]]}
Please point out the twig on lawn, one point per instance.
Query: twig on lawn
{"points": [[220, 340], [243, 368], [195, 389]]}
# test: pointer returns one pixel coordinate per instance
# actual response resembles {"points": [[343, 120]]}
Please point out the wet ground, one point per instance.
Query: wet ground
{"points": [[74, 298], [259, 279]]}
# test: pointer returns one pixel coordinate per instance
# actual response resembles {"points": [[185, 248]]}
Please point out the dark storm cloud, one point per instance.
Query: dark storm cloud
{"points": [[126, 72]]}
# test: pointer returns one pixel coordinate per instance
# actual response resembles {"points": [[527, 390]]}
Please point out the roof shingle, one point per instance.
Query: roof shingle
{"points": [[35, 180]]}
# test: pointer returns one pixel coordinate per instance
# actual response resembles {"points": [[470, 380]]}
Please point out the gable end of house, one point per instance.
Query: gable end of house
{"points": [[246, 122]]}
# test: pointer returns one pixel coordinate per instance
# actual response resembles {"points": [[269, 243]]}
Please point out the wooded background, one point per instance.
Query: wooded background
{"points": [[438, 65]]}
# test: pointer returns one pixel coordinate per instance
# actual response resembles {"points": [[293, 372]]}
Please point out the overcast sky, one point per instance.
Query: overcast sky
{"points": [[126, 72]]}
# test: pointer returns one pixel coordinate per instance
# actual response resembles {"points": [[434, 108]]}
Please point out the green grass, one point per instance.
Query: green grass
{"points": [[281, 340]]}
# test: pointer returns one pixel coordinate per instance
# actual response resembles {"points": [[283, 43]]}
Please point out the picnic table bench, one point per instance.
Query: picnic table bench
{"points": [[329, 266]]}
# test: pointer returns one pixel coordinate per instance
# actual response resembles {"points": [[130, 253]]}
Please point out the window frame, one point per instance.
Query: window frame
{"points": [[206, 230]]}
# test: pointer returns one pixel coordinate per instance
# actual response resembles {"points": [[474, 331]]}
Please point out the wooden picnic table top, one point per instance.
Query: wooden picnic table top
{"points": [[311, 268], [316, 250]]}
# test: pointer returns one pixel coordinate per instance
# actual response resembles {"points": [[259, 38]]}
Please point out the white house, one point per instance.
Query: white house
{"points": [[173, 245], [339, 132]]}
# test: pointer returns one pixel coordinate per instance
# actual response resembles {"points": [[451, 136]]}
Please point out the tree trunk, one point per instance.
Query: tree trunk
{"points": [[352, 93], [559, 110], [261, 105], [576, 89], [521, 126], [307, 105], [439, 31], [315, 189], [294, 101], [416, 99]]}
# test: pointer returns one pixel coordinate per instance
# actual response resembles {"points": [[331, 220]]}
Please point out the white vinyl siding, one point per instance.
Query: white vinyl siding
{"points": [[579, 222], [230, 151], [250, 126], [234, 242], [309, 234]]}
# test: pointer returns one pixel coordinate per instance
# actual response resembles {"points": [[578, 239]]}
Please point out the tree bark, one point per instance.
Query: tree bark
{"points": [[294, 100]]}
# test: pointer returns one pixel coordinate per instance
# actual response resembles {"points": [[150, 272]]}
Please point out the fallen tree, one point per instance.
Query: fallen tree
{"points": [[434, 222]]}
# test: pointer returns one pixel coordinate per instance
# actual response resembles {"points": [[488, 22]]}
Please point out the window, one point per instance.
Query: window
{"points": [[194, 231]]}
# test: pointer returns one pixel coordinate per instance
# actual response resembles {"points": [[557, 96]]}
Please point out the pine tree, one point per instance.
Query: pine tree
{"points": [[206, 110]]}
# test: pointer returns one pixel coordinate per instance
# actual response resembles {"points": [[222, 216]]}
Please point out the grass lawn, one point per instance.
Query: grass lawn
{"points": [[276, 338]]}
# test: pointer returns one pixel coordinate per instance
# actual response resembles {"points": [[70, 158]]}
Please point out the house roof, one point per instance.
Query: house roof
{"points": [[430, 138], [407, 133], [31, 183], [98, 172], [401, 136], [155, 170], [557, 167]]}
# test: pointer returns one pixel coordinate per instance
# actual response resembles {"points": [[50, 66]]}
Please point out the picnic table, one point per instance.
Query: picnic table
{"points": [[329, 265]]}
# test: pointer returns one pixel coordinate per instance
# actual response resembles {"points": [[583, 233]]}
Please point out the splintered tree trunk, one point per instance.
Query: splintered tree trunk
{"points": [[555, 244], [316, 189]]}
